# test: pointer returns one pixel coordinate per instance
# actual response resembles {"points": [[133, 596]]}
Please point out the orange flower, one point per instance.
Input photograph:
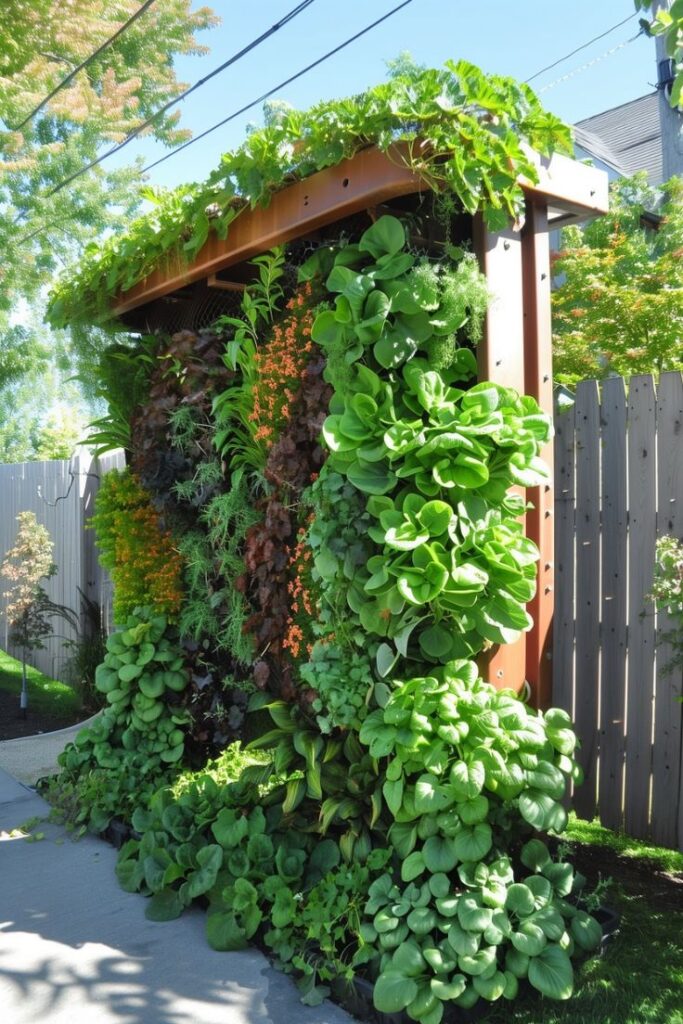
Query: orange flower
{"points": [[281, 368]]}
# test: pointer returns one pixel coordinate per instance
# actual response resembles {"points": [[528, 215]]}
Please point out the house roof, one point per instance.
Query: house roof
{"points": [[595, 147], [632, 134]]}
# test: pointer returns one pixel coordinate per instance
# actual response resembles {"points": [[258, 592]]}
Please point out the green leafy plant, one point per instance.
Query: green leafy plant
{"points": [[199, 842], [462, 131], [452, 569], [667, 595], [232, 410], [471, 910], [127, 750], [123, 383], [214, 608]]}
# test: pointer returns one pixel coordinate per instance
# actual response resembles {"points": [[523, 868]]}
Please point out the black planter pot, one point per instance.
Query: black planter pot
{"points": [[118, 832], [609, 920]]}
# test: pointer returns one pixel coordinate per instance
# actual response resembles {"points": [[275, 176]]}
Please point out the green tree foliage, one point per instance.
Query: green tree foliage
{"points": [[129, 81], [43, 413], [670, 24], [619, 308]]}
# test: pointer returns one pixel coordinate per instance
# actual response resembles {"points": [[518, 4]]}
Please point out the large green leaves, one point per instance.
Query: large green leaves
{"points": [[385, 237], [393, 991], [551, 973]]}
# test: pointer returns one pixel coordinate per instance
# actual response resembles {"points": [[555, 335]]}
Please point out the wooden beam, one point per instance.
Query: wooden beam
{"points": [[368, 178], [359, 183], [500, 355], [568, 185], [225, 286], [538, 382]]}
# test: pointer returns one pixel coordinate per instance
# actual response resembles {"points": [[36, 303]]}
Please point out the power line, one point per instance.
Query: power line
{"points": [[590, 63], [578, 49], [300, 7], [70, 77], [276, 88]]}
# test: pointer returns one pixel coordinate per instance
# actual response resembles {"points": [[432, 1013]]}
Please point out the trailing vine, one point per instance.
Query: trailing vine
{"points": [[463, 131]]}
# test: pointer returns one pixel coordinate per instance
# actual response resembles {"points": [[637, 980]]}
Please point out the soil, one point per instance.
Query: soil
{"points": [[12, 725], [662, 891]]}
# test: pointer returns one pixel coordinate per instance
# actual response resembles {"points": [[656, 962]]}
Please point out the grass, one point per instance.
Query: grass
{"points": [[639, 980], [592, 833], [46, 696]]}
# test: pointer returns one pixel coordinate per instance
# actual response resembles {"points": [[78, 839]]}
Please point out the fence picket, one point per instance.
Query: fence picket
{"points": [[587, 600], [628, 490], [49, 490], [613, 604], [563, 619], [666, 754], [641, 624]]}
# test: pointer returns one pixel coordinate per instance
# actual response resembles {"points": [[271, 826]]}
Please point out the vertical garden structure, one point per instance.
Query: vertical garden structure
{"points": [[516, 346], [332, 459]]}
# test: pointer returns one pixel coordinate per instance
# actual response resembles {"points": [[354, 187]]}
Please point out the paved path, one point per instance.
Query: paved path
{"points": [[76, 949], [29, 758]]}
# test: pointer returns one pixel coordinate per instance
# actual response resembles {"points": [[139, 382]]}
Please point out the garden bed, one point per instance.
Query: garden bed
{"points": [[637, 975]]}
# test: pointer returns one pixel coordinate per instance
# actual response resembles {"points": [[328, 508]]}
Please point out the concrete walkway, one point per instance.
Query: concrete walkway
{"points": [[76, 949], [29, 758]]}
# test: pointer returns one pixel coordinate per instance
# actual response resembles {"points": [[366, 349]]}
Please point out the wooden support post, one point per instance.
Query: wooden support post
{"points": [[538, 382], [500, 356]]}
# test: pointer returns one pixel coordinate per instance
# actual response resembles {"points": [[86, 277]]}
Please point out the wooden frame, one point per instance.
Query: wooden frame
{"points": [[516, 347]]}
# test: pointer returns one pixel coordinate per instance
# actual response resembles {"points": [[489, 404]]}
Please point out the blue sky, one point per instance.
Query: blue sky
{"points": [[500, 36]]}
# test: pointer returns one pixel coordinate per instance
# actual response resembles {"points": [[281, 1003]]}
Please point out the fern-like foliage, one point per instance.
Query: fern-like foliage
{"points": [[214, 608], [232, 409]]}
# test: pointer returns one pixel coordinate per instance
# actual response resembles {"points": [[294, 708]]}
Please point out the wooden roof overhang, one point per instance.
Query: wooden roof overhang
{"points": [[516, 348], [570, 190]]}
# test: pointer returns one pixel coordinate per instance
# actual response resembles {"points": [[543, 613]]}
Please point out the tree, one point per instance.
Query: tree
{"points": [[127, 83], [43, 411], [39, 232], [29, 609], [669, 24], [619, 308]]}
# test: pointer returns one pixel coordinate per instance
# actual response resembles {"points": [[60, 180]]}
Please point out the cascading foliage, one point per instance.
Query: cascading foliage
{"points": [[339, 491]]}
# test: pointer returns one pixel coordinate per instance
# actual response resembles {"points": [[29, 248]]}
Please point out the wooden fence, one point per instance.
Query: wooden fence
{"points": [[619, 486], [62, 494]]}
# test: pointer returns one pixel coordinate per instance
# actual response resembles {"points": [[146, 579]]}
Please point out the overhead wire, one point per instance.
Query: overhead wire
{"points": [[298, 9], [276, 88], [590, 63], [583, 46], [72, 74]]}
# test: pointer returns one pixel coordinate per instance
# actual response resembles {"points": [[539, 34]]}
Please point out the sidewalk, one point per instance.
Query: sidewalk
{"points": [[76, 949], [29, 758]]}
